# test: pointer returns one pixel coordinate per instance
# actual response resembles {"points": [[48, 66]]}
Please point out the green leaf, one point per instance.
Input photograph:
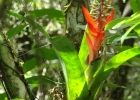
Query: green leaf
{"points": [[128, 31], [72, 68], [30, 64], [40, 79], [96, 83], [124, 22], [31, 21], [116, 23], [2, 96], [120, 58], [83, 53], [48, 12], [137, 29], [117, 37], [122, 48], [110, 66], [14, 14], [92, 70], [132, 20], [13, 31], [46, 53], [135, 5]]}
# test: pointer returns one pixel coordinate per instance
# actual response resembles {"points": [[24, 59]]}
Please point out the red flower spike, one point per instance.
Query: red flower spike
{"points": [[110, 17], [96, 34], [88, 17], [92, 29], [87, 14]]}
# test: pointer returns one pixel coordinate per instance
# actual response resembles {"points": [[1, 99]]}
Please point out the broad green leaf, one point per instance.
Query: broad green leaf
{"points": [[122, 48], [46, 53], [128, 31], [120, 58], [116, 23], [83, 53], [137, 29], [92, 70], [13, 31], [111, 65], [75, 79], [30, 64], [41, 79], [113, 38], [51, 13], [124, 22], [117, 37], [96, 83], [135, 5], [133, 19]]}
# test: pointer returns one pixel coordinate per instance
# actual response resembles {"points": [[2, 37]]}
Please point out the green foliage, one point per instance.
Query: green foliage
{"points": [[46, 53], [38, 13], [72, 68], [79, 77], [41, 79], [69, 59], [30, 64], [13, 31], [135, 5]]}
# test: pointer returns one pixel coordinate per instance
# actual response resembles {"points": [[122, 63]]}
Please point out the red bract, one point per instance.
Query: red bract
{"points": [[95, 33]]}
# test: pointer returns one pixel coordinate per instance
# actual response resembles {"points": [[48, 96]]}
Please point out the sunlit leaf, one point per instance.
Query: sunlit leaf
{"points": [[133, 19], [83, 53], [123, 22], [75, 79], [111, 65], [120, 58], [128, 31], [137, 29], [92, 70], [116, 23], [13, 31]]}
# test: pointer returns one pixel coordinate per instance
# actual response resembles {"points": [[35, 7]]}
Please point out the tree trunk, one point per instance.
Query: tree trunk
{"points": [[74, 20], [12, 75]]}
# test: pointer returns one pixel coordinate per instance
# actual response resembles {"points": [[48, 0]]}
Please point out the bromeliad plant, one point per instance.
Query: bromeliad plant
{"points": [[85, 80], [96, 22]]}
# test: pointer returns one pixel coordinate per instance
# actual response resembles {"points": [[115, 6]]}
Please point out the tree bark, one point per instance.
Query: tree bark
{"points": [[74, 19], [12, 75]]}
